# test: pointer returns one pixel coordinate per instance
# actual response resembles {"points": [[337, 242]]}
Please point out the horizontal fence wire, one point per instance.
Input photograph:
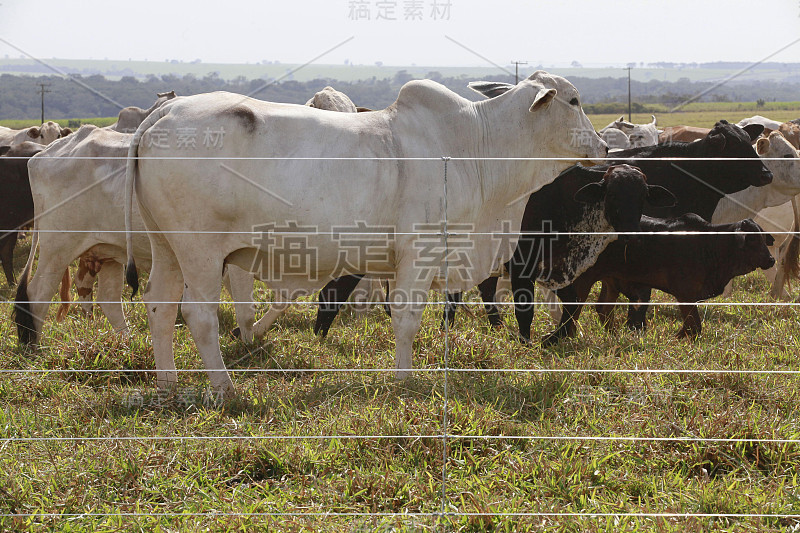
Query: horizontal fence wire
{"points": [[381, 234], [432, 370], [448, 514], [410, 303], [566, 438], [593, 160]]}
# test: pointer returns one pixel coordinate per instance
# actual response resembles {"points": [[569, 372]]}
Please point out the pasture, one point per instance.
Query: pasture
{"points": [[536, 439]]}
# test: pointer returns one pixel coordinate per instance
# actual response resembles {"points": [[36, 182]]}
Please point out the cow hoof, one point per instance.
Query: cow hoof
{"points": [[236, 333], [525, 341], [551, 339]]}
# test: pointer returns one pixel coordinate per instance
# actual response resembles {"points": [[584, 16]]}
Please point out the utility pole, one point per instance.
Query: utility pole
{"points": [[629, 94], [42, 91], [516, 70]]}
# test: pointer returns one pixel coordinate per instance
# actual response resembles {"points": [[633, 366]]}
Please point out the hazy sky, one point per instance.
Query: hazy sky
{"points": [[424, 32]]}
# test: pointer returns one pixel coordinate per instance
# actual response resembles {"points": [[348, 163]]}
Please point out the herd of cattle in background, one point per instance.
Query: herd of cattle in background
{"points": [[102, 196]]}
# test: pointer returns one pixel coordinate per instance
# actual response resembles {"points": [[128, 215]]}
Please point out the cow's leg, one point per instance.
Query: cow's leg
{"points": [[39, 292], [637, 308], [331, 298], [572, 297], [524, 304], [550, 299], [109, 294], [408, 297], [161, 297], [202, 287], [275, 311], [728, 290], [777, 275], [239, 283], [7, 244], [609, 292], [449, 310], [488, 290], [692, 322]]}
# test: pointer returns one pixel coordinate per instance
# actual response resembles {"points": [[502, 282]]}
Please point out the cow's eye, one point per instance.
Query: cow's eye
{"points": [[574, 101], [788, 156]]}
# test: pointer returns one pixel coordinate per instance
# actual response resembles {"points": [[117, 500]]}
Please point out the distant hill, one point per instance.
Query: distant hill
{"points": [[661, 71], [78, 93]]}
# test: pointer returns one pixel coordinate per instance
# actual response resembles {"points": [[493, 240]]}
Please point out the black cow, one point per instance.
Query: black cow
{"points": [[16, 201], [689, 267], [579, 200]]}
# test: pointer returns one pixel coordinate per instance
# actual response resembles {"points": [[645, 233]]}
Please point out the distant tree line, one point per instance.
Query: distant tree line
{"points": [[80, 97]]}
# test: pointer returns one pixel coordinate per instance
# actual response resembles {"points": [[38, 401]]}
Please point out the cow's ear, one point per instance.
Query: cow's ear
{"points": [[34, 132], [4, 149], [762, 146], [543, 99], [490, 89], [658, 196], [754, 131], [591, 193], [716, 141], [65, 132]]}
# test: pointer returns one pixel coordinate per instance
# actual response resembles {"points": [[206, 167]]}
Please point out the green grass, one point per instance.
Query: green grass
{"points": [[492, 466], [705, 115]]}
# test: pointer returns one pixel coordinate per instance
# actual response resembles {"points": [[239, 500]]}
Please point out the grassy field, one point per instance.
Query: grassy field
{"points": [[541, 438]]}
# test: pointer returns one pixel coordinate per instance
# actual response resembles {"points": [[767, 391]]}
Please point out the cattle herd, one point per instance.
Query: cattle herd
{"points": [[433, 192]]}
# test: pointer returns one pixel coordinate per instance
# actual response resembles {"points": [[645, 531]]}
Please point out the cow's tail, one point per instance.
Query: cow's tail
{"points": [[131, 167], [23, 316], [64, 296]]}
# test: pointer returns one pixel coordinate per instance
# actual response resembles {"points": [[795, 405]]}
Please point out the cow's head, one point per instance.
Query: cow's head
{"points": [[332, 100], [47, 132], [615, 138], [623, 190], [791, 131], [548, 107], [730, 141], [644, 134], [784, 162], [752, 250]]}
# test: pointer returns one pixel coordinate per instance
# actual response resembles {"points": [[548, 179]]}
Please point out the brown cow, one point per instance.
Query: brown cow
{"points": [[682, 133]]}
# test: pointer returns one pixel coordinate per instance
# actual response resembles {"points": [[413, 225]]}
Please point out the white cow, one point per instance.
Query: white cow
{"points": [[130, 117], [201, 214], [768, 123], [332, 100], [78, 184], [783, 161], [44, 134], [622, 134]]}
